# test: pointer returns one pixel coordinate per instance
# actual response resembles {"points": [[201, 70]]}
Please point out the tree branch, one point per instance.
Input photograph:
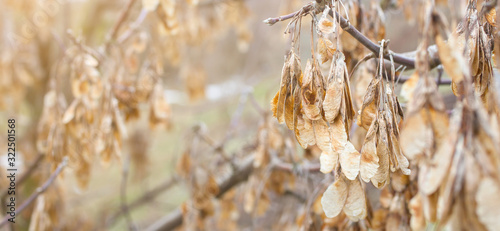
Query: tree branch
{"points": [[38, 191], [406, 59], [148, 196]]}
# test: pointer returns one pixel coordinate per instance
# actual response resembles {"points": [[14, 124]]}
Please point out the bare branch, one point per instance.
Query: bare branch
{"points": [[174, 219], [39, 190], [406, 59], [33, 166], [114, 32]]}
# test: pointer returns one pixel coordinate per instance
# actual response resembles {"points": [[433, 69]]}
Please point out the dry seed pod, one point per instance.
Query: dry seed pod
{"points": [[279, 99], [312, 96], [304, 132], [322, 135], [488, 203], [328, 161], [338, 134], [355, 206], [369, 159], [381, 177], [369, 110], [426, 125]]}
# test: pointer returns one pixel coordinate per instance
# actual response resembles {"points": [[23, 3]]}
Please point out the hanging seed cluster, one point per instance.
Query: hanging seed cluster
{"points": [[431, 168]]}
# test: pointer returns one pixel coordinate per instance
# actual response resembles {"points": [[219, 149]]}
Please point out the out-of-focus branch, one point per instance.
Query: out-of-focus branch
{"points": [[488, 6], [174, 219], [406, 59], [38, 191], [148, 196], [124, 14], [33, 166]]}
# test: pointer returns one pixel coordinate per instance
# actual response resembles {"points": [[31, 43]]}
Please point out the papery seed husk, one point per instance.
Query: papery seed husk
{"points": [[381, 178], [415, 207], [447, 193], [488, 203], [325, 25], [274, 105], [328, 161], [289, 105], [333, 98], [414, 138], [403, 163], [438, 168], [338, 134], [305, 134], [430, 206], [334, 198], [285, 82], [369, 108], [325, 49]]}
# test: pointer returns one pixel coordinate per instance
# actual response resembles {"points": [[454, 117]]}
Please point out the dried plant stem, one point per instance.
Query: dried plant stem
{"points": [[33, 166], [123, 195], [241, 174], [146, 197], [39, 190], [406, 59], [114, 32]]}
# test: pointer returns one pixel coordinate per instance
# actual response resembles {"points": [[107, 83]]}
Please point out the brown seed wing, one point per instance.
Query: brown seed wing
{"points": [[334, 198], [369, 159], [355, 206], [349, 161]]}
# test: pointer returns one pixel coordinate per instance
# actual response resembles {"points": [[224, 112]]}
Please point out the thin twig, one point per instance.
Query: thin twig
{"points": [[38, 191], [146, 197], [114, 32], [174, 219], [403, 59], [133, 27], [33, 166], [123, 195]]}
